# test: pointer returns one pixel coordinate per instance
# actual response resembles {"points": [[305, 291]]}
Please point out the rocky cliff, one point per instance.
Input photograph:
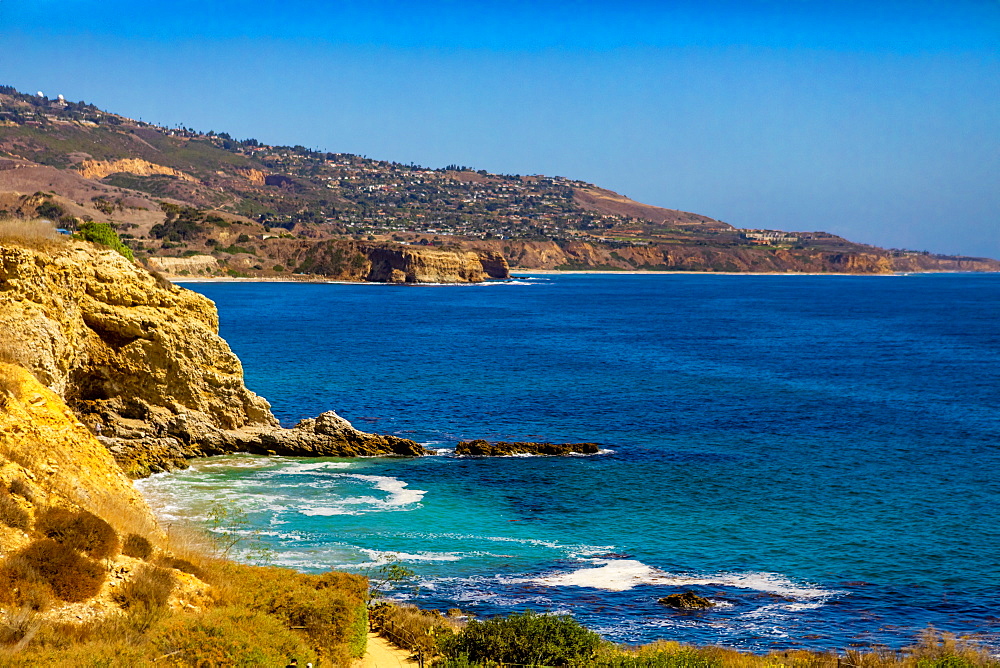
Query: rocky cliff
{"points": [[58, 486], [98, 169], [408, 264], [57, 459], [140, 361], [584, 255]]}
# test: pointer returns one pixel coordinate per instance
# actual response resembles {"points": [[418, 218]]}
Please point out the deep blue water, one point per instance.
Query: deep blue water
{"points": [[818, 455]]}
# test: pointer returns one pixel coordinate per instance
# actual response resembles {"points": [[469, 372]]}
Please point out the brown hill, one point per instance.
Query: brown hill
{"points": [[244, 208], [611, 203]]}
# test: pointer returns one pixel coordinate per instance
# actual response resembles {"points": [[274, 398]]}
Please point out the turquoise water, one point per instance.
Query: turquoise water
{"points": [[817, 455]]}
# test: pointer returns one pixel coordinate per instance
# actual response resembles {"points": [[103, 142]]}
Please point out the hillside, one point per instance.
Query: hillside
{"points": [[195, 203], [107, 373]]}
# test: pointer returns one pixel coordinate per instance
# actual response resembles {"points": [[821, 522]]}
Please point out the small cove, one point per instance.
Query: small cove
{"points": [[815, 454]]}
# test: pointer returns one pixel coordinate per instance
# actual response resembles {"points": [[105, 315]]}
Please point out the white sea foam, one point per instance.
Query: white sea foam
{"points": [[400, 497], [602, 451], [616, 575], [624, 574], [382, 557], [312, 467], [569, 550], [234, 462], [399, 492]]}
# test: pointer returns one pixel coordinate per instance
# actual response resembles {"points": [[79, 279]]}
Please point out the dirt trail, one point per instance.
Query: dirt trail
{"points": [[383, 654]]}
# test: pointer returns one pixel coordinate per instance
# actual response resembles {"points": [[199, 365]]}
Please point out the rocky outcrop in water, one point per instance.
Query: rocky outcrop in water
{"points": [[167, 446], [687, 600], [481, 448], [409, 264]]}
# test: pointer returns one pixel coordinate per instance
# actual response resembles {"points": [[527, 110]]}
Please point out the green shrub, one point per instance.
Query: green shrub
{"points": [[50, 210], [72, 576], [410, 627], [527, 639], [137, 547], [80, 530], [11, 512], [102, 233]]}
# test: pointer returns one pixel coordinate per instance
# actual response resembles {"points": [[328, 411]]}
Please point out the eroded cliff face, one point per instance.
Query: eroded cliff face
{"points": [[585, 255], [98, 169], [43, 443], [407, 264], [110, 338], [386, 263], [140, 362], [49, 460]]}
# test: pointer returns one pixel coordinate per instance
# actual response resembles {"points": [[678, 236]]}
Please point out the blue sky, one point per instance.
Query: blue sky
{"points": [[876, 120]]}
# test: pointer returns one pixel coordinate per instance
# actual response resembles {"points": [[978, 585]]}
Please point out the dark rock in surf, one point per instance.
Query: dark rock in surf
{"points": [[481, 448], [687, 600]]}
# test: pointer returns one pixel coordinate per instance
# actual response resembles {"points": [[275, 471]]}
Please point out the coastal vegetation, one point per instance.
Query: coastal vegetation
{"points": [[527, 639], [87, 577], [143, 603], [102, 233], [30, 233]]}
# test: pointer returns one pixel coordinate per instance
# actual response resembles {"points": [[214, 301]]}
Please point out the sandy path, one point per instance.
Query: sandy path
{"points": [[383, 654]]}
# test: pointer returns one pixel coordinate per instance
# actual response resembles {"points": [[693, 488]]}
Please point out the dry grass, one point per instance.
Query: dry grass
{"points": [[263, 617], [22, 488], [11, 512], [182, 565], [329, 608], [149, 587], [17, 627], [137, 547], [72, 576], [934, 650], [126, 518], [80, 530], [412, 628], [145, 596], [21, 586], [34, 234]]}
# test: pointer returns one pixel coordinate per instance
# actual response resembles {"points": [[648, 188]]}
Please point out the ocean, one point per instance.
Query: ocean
{"points": [[817, 455]]}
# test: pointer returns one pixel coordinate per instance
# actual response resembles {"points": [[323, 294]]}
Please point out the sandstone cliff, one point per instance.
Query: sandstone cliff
{"points": [[383, 262], [88, 578], [109, 337], [141, 362], [98, 169], [43, 444], [193, 265], [584, 255], [52, 466], [408, 264]]}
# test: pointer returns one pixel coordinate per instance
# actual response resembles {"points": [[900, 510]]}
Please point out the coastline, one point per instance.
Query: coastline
{"points": [[634, 272], [529, 273]]}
